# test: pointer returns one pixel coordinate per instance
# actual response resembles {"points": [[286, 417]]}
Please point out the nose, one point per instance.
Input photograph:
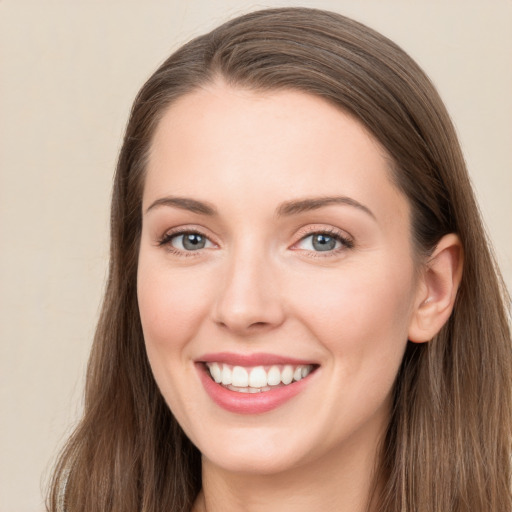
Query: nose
{"points": [[249, 299]]}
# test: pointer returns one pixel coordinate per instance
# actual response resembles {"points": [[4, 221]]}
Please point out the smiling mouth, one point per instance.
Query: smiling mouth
{"points": [[257, 379]]}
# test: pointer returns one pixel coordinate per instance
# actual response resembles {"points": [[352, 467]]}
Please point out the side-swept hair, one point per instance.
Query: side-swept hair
{"points": [[447, 447]]}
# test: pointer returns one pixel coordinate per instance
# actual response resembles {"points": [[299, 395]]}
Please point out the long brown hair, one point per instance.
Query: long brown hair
{"points": [[447, 447]]}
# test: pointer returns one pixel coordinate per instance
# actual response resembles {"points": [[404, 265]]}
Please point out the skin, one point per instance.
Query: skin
{"points": [[258, 285]]}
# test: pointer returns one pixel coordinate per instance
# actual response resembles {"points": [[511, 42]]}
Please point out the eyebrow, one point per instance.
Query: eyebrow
{"points": [[314, 203], [286, 209], [185, 203]]}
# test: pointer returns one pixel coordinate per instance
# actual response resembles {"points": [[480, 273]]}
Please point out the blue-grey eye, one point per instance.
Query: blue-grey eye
{"points": [[323, 242], [320, 242], [189, 241]]}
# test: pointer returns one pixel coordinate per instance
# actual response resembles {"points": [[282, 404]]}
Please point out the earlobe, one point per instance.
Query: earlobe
{"points": [[437, 289]]}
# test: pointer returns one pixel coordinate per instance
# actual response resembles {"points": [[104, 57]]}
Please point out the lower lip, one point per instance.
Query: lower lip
{"points": [[249, 403]]}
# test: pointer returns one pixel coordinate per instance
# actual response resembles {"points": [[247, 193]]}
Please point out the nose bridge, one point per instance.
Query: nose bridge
{"points": [[249, 298]]}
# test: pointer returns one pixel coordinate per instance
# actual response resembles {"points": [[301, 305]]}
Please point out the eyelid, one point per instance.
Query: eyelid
{"points": [[170, 234], [346, 240]]}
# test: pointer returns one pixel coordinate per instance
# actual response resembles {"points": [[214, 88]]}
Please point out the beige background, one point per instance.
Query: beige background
{"points": [[68, 73]]}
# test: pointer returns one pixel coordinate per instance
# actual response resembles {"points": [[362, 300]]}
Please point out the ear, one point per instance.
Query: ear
{"points": [[437, 289]]}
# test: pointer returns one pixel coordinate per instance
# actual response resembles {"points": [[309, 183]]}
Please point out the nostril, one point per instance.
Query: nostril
{"points": [[257, 324]]}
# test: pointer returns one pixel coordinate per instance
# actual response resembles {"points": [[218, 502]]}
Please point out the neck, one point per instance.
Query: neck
{"points": [[342, 480]]}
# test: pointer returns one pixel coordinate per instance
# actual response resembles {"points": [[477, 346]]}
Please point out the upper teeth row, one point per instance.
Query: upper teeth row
{"points": [[257, 377]]}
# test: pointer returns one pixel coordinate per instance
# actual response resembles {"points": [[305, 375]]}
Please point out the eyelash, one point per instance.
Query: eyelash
{"points": [[346, 243], [167, 238]]}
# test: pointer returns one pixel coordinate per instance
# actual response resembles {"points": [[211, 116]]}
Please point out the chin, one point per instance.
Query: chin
{"points": [[256, 459]]}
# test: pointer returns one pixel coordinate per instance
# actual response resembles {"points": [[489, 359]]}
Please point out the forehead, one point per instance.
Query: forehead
{"points": [[276, 145]]}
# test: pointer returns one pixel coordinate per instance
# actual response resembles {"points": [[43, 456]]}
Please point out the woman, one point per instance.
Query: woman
{"points": [[302, 311]]}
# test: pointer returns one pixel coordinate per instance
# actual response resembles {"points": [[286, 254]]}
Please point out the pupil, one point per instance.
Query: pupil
{"points": [[193, 241], [324, 242]]}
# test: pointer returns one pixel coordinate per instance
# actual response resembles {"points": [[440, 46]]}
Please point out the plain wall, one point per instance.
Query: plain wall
{"points": [[68, 73]]}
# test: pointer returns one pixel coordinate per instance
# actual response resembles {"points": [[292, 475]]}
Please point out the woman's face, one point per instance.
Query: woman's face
{"points": [[275, 255]]}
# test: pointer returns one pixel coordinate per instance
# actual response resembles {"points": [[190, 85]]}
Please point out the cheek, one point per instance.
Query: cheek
{"points": [[357, 310], [171, 305]]}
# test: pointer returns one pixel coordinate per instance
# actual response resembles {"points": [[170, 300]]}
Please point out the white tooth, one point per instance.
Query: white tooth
{"points": [[306, 370], [297, 374], [274, 376], [287, 374], [240, 377], [258, 377], [226, 375], [243, 390], [215, 372]]}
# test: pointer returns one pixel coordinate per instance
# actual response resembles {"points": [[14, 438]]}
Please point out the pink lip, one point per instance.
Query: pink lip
{"points": [[261, 359], [249, 403]]}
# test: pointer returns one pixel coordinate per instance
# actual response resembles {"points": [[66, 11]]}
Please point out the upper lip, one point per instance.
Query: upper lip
{"points": [[255, 359]]}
